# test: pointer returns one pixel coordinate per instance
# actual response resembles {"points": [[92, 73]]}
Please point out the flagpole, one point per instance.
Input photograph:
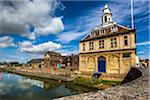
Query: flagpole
{"points": [[132, 17]]}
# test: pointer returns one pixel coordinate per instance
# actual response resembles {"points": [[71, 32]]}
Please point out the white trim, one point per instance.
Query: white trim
{"points": [[123, 26], [85, 36]]}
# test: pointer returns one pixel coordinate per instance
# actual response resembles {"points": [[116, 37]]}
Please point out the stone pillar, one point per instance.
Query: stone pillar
{"points": [[86, 64], [120, 63], [133, 59], [79, 62], [96, 63], [120, 42], [107, 63]]}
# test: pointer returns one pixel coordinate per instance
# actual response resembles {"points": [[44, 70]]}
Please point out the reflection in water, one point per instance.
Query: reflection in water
{"points": [[33, 82], [16, 87]]}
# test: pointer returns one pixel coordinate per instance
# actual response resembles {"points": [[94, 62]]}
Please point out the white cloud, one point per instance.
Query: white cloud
{"points": [[17, 16], [6, 41], [25, 44], [143, 43], [66, 52], [28, 47], [55, 26], [31, 35], [66, 37], [140, 52]]}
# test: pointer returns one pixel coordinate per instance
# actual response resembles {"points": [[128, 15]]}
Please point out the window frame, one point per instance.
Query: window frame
{"points": [[126, 55], [91, 45], [113, 42], [101, 44], [83, 48], [125, 41]]}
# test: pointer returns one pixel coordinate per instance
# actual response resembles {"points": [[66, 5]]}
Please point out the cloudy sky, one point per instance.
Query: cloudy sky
{"points": [[28, 28]]}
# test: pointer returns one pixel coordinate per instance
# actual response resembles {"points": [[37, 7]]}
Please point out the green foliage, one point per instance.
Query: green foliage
{"points": [[110, 82], [92, 84], [85, 82]]}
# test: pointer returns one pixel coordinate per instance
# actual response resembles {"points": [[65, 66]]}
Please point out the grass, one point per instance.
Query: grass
{"points": [[84, 82], [100, 84], [110, 82]]}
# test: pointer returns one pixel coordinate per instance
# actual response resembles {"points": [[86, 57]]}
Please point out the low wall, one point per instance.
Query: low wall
{"points": [[55, 75], [133, 74]]}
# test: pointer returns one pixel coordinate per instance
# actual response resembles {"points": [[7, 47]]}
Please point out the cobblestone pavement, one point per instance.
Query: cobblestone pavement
{"points": [[135, 90]]}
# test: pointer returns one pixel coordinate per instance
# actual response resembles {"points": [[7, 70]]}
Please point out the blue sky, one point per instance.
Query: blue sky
{"points": [[30, 28]]}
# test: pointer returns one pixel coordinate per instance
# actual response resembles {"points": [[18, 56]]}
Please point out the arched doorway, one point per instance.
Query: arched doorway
{"points": [[101, 64]]}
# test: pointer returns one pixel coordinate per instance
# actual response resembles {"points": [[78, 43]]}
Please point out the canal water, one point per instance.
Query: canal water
{"points": [[17, 87]]}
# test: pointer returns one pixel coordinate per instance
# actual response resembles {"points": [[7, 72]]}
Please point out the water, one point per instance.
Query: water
{"points": [[17, 87]]}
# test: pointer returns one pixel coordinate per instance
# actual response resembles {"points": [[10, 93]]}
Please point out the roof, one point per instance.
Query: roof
{"points": [[107, 35], [120, 29], [35, 61], [70, 56], [106, 9], [53, 53]]}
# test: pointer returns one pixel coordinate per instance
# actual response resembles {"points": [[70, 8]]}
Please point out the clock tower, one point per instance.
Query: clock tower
{"points": [[107, 15]]}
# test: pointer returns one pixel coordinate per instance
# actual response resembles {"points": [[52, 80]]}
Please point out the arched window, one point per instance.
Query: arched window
{"points": [[105, 18]]}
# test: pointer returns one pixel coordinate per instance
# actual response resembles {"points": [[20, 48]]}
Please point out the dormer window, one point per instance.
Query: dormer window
{"points": [[100, 32], [92, 34], [104, 31], [97, 32], [114, 29]]}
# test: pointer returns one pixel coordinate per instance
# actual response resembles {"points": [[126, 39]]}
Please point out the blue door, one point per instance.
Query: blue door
{"points": [[101, 64]]}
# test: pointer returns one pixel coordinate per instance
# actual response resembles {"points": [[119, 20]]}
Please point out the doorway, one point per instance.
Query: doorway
{"points": [[101, 64]]}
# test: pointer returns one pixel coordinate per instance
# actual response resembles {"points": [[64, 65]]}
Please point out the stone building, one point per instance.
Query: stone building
{"points": [[54, 58], [108, 48], [51, 58], [35, 63], [145, 63], [71, 62]]}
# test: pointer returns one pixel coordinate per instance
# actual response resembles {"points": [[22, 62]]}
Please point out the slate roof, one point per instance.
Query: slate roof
{"points": [[107, 35], [53, 53], [36, 61], [121, 30]]}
